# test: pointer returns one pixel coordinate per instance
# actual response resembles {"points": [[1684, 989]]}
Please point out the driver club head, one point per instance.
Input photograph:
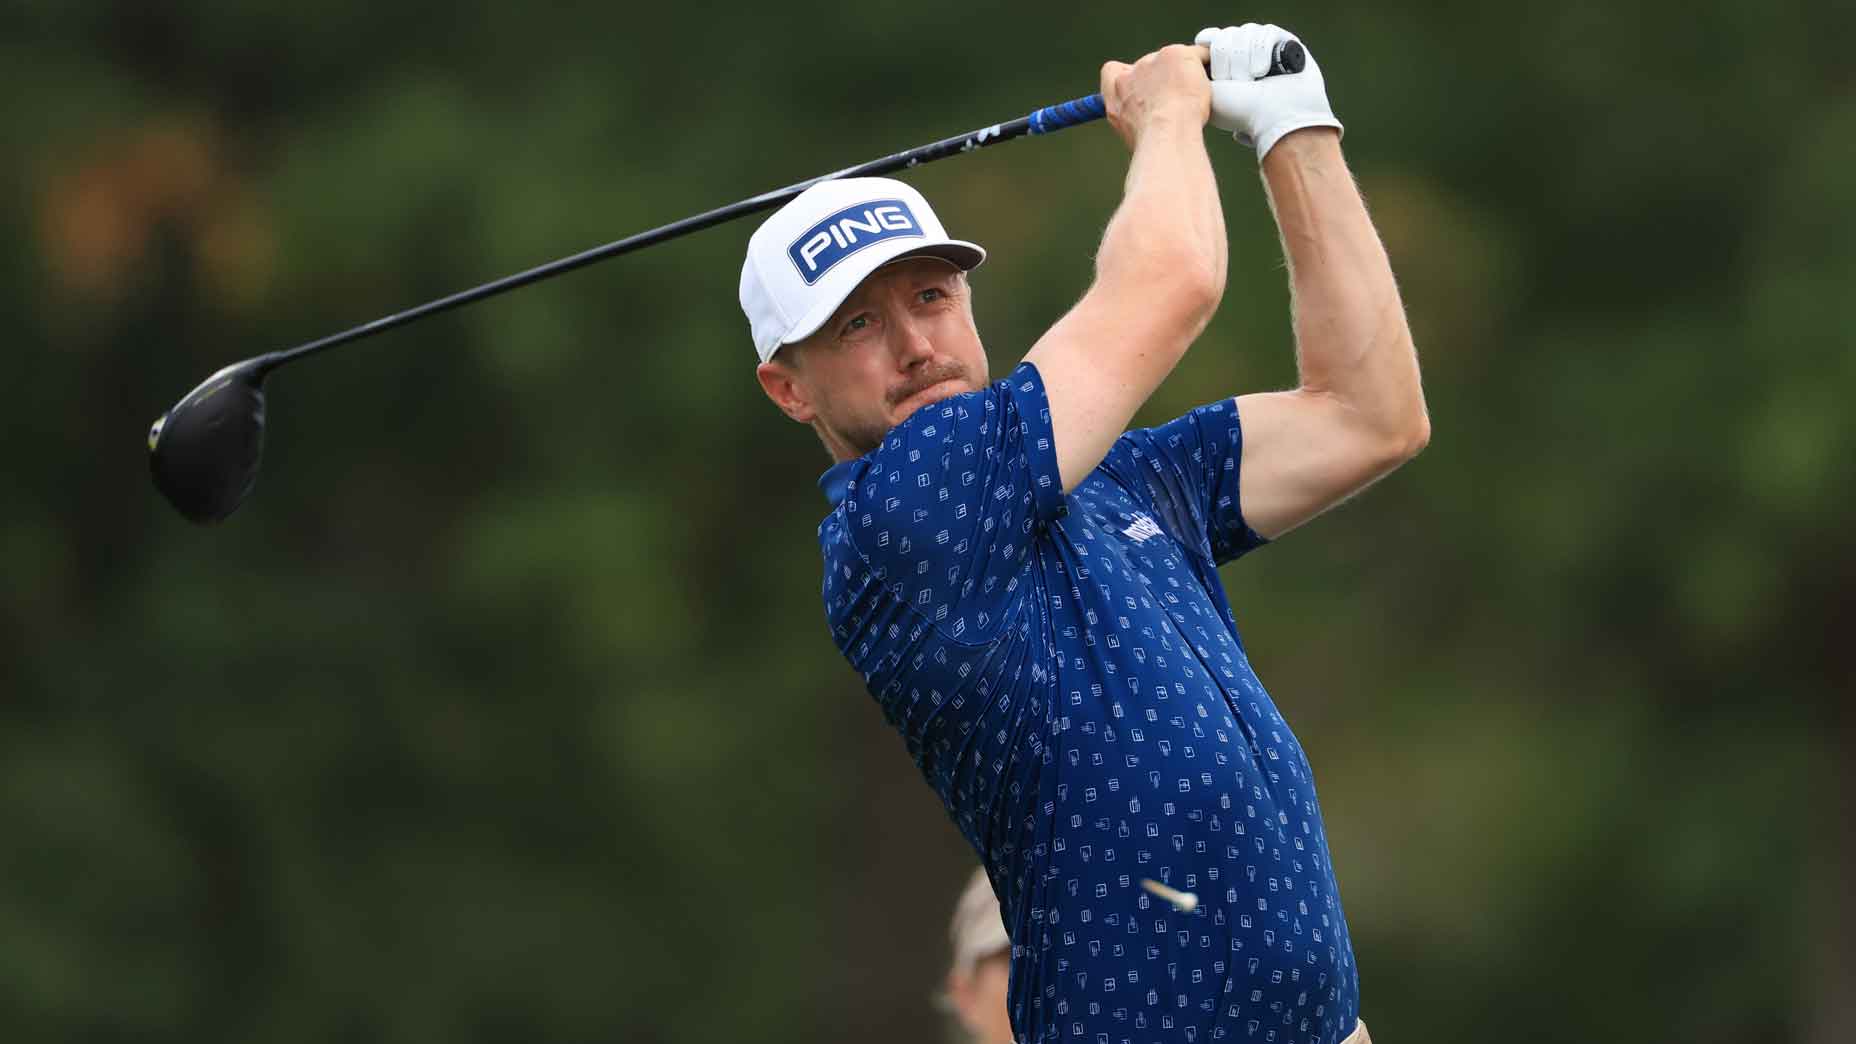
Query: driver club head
{"points": [[204, 452]]}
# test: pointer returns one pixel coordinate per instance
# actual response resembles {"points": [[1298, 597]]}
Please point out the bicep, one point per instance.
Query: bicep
{"points": [[1304, 452], [1101, 361]]}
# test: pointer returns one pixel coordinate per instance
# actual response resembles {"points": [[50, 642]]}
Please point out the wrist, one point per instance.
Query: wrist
{"points": [[1305, 142], [1314, 140], [1178, 120]]}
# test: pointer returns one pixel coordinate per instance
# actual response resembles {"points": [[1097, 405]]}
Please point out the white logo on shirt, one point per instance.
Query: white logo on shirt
{"points": [[1141, 529]]}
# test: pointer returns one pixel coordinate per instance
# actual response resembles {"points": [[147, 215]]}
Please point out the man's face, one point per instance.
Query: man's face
{"points": [[903, 340]]}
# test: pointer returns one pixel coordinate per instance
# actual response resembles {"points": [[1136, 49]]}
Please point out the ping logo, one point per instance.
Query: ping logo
{"points": [[848, 231]]}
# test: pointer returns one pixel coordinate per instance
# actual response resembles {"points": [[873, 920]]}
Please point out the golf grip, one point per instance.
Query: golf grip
{"points": [[1289, 58]]}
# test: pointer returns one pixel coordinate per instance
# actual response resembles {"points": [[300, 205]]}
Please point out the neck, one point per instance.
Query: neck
{"points": [[836, 445]]}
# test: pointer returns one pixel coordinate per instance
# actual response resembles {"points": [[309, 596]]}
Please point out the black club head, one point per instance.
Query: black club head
{"points": [[204, 452]]}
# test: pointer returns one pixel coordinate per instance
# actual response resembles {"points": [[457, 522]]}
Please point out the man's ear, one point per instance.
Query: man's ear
{"points": [[782, 385]]}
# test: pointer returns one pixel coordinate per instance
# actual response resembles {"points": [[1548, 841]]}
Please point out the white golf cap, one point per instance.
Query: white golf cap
{"points": [[813, 252]]}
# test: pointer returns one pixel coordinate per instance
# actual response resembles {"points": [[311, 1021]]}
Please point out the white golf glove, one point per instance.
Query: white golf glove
{"points": [[1257, 109]]}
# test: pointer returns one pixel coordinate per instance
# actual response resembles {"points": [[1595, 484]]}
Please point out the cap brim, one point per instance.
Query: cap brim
{"points": [[958, 252]]}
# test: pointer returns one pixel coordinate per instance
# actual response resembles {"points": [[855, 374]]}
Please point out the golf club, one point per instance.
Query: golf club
{"points": [[204, 452]]}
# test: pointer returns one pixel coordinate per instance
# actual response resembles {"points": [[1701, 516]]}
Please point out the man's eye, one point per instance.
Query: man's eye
{"points": [[857, 323], [933, 293]]}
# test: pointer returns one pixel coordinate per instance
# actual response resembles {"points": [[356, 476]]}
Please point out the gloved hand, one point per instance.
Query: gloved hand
{"points": [[1258, 110]]}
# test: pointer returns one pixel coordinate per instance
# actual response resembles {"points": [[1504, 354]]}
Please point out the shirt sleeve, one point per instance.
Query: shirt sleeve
{"points": [[947, 510], [1188, 469]]}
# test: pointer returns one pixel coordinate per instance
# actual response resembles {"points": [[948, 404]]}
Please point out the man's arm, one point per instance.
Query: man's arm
{"points": [[1160, 270], [1359, 409]]}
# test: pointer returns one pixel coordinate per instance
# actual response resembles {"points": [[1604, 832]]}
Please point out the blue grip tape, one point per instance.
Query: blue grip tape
{"points": [[1067, 114]]}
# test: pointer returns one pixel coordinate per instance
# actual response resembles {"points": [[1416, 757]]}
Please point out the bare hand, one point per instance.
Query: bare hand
{"points": [[1167, 86]]}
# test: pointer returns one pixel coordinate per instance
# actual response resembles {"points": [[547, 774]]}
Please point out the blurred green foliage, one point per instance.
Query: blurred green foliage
{"points": [[505, 708]]}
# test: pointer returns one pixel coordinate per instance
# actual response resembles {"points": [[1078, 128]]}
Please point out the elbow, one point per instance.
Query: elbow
{"points": [[1419, 434], [1176, 282], [1192, 288], [1407, 440], [1406, 428], [1201, 283], [1383, 445]]}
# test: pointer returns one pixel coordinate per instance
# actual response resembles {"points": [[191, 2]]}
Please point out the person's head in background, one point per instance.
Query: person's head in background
{"points": [[982, 965]]}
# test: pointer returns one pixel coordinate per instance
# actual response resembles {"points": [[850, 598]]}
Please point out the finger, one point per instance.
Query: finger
{"points": [[1212, 52], [1262, 50], [1237, 51], [1178, 52], [1112, 75], [1225, 54]]}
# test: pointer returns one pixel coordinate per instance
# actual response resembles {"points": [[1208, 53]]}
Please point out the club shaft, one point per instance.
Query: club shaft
{"points": [[1287, 59], [1043, 121]]}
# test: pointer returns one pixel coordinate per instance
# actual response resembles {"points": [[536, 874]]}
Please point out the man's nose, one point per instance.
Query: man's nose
{"points": [[912, 344]]}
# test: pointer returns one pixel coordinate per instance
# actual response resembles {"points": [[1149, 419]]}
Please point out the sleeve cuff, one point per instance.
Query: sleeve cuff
{"points": [[1032, 405]]}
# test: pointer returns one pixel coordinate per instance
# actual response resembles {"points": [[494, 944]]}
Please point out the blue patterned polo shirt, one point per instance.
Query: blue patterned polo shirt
{"points": [[1067, 673]]}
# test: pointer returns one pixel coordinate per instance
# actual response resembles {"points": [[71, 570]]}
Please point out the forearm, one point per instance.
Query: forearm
{"points": [[1159, 271], [1352, 340], [1166, 241]]}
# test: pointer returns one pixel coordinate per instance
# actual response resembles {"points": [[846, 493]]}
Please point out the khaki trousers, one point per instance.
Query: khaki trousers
{"points": [[1359, 1034]]}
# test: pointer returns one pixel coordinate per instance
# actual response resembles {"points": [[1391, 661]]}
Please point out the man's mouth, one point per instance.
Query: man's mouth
{"points": [[920, 388], [951, 374]]}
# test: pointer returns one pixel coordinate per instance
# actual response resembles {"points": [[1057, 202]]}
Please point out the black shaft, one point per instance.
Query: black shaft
{"points": [[1288, 59], [975, 139]]}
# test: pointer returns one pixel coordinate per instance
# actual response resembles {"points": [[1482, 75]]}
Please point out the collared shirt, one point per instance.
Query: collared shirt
{"points": [[1067, 673]]}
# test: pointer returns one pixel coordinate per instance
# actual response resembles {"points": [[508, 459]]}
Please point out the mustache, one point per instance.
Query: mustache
{"points": [[931, 374]]}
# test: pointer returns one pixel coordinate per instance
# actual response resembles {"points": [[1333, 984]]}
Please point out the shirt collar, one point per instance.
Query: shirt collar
{"points": [[836, 481]]}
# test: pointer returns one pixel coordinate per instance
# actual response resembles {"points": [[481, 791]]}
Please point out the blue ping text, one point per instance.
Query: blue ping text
{"points": [[848, 231]]}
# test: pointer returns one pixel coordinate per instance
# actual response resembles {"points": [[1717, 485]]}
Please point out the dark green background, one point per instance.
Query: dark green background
{"points": [[505, 709]]}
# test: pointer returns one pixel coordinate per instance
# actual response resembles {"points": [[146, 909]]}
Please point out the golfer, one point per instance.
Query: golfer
{"points": [[1030, 589]]}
